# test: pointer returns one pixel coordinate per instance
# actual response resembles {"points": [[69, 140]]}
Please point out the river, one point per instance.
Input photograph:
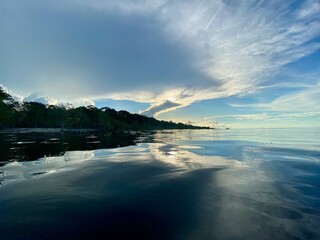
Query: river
{"points": [[171, 184]]}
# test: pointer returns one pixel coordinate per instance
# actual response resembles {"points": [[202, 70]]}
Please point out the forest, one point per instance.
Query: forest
{"points": [[15, 114]]}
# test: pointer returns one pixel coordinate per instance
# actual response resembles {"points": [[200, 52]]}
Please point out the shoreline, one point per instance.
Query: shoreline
{"points": [[77, 130], [47, 130]]}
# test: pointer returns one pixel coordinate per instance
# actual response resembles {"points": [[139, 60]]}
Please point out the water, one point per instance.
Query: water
{"points": [[189, 184]]}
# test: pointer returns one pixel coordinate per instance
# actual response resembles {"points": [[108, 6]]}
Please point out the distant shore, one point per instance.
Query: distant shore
{"points": [[61, 130], [46, 130]]}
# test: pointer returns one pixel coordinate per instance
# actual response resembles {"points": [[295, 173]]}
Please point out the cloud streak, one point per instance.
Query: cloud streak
{"points": [[159, 108], [306, 100], [266, 116]]}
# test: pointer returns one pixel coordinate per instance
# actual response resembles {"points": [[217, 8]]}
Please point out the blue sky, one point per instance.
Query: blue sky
{"points": [[223, 62]]}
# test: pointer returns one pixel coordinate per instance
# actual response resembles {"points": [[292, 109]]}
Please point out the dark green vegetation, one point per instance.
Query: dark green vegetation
{"points": [[15, 114]]}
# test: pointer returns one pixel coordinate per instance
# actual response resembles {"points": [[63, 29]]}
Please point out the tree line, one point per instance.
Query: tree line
{"points": [[14, 114]]}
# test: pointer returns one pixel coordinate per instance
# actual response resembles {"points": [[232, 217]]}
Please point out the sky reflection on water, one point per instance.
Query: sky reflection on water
{"points": [[170, 185]]}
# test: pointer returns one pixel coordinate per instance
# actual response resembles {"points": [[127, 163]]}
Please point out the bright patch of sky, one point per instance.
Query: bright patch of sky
{"points": [[223, 63]]}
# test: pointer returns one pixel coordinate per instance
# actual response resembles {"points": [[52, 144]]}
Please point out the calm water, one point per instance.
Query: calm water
{"points": [[190, 184]]}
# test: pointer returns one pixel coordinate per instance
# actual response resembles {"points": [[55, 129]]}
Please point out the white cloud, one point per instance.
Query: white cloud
{"points": [[78, 102], [38, 97], [239, 45]]}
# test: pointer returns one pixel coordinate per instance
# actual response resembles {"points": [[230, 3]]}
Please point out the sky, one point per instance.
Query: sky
{"points": [[222, 63]]}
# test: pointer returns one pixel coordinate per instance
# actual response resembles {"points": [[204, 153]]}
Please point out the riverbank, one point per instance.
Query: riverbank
{"points": [[46, 130]]}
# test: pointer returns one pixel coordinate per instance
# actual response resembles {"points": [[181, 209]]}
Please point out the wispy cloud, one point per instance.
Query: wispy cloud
{"points": [[265, 116], [310, 9], [167, 53], [306, 100], [258, 116], [239, 45], [242, 43]]}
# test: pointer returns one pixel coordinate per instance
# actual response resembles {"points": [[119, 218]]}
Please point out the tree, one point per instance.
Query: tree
{"points": [[36, 114], [5, 110]]}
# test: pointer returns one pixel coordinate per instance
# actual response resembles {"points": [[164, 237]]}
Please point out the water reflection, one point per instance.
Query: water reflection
{"points": [[32, 146], [168, 185]]}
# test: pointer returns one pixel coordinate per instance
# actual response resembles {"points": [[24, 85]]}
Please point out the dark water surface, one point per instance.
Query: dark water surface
{"points": [[189, 184]]}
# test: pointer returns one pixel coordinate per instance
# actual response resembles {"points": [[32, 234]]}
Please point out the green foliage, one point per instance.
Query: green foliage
{"points": [[33, 115]]}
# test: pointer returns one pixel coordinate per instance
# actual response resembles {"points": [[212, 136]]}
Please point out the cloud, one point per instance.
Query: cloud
{"points": [[306, 100], [127, 6], [310, 9], [14, 96], [154, 110], [37, 97], [256, 116], [168, 53], [266, 116]]}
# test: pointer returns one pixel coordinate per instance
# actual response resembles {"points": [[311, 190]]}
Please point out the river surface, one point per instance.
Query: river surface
{"points": [[181, 184]]}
